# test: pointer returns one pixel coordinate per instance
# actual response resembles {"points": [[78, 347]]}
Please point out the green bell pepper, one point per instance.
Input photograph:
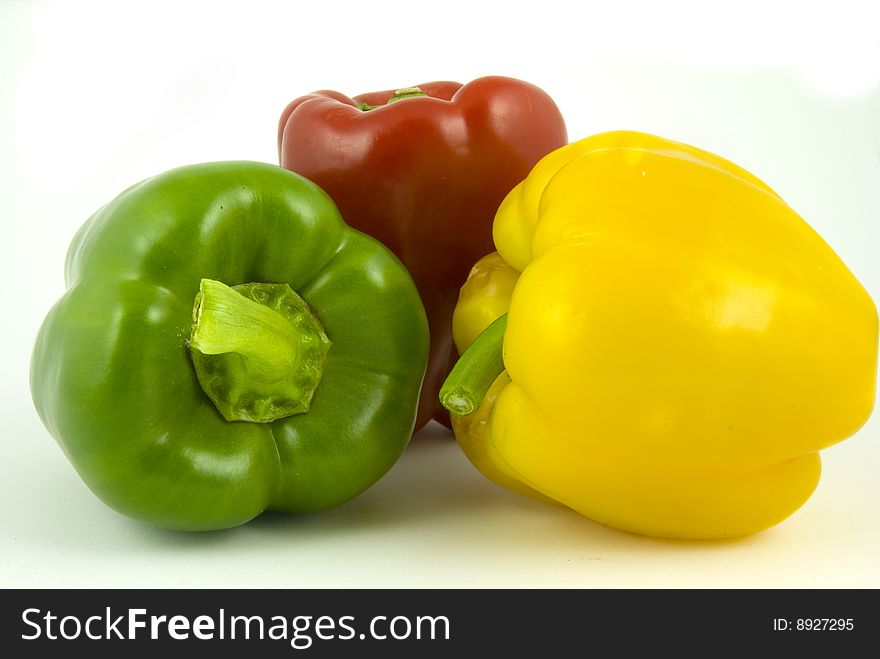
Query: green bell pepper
{"points": [[228, 345]]}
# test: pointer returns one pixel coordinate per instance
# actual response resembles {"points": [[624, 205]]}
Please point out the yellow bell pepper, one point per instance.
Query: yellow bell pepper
{"points": [[678, 343]]}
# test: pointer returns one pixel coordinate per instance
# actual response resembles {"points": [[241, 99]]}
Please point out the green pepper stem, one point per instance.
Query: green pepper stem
{"points": [[475, 371], [399, 95], [227, 321], [258, 350]]}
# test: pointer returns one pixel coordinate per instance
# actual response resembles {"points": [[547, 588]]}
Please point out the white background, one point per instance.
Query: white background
{"points": [[97, 95]]}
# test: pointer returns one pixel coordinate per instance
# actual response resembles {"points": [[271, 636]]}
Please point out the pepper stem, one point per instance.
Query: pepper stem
{"points": [[399, 95], [475, 371], [258, 350]]}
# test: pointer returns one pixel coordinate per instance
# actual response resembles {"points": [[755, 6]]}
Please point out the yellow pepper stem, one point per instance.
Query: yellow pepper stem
{"points": [[475, 371]]}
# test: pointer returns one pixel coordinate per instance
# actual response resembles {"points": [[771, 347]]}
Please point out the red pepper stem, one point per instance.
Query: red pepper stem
{"points": [[399, 95], [475, 371], [406, 92]]}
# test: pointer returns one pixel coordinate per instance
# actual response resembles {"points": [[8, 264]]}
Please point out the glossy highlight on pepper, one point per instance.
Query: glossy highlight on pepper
{"points": [[679, 343]]}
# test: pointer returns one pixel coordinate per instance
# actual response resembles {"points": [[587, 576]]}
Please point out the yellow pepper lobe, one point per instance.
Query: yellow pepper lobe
{"points": [[518, 214], [470, 432], [484, 297], [680, 343]]}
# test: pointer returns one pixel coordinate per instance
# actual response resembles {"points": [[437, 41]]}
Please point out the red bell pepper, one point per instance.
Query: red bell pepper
{"points": [[423, 170]]}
